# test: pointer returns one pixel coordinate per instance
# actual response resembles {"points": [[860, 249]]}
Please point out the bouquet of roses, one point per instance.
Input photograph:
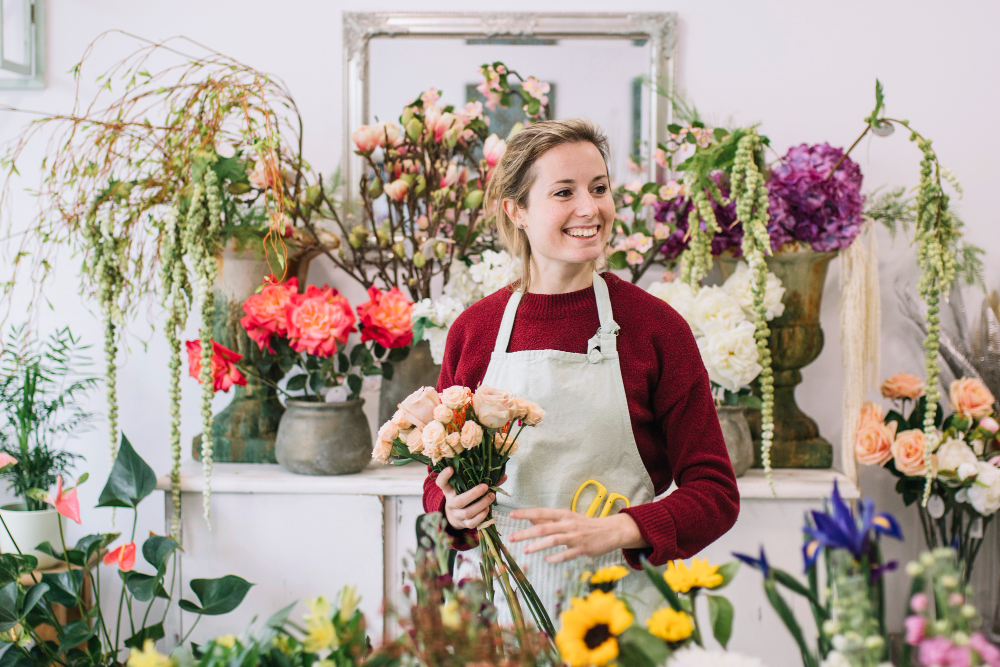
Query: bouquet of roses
{"points": [[961, 456], [475, 434]]}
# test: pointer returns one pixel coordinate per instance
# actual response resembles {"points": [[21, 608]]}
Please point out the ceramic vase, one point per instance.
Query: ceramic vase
{"points": [[316, 438]]}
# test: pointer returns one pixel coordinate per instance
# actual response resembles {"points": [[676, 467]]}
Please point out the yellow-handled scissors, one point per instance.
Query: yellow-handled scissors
{"points": [[602, 496]]}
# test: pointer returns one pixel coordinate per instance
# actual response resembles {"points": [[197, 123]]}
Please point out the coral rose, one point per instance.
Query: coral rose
{"points": [[494, 407], [874, 443], [265, 312], [903, 385], [456, 397], [418, 407], [908, 453], [386, 319], [224, 371], [318, 320], [871, 413], [971, 398], [472, 435]]}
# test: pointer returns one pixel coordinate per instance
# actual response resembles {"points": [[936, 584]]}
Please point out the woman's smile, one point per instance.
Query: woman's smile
{"points": [[583, 232]]}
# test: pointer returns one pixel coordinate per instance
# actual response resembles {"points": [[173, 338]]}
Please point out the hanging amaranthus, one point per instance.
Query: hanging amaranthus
{"points": [[748, 190], [697, 259]]}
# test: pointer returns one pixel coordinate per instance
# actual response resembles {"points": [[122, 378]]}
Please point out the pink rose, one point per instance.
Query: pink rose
{"points": [[386, 318], [908, 452], [971, 398], [418, 407], [415, 441], [456, 397], [874, 443], [918, 602], [366, 138], [452, 445], [382, 451], [933, 650], [443, 414], [989, 424], [914, 629], [660, 157], [903, 385], [472, 435], [505, 443], [318, 320], [224, 370], [265, 312], [494, 407]]}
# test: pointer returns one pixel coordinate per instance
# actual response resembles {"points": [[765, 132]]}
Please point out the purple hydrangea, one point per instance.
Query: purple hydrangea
{"points": [[808, 207]]}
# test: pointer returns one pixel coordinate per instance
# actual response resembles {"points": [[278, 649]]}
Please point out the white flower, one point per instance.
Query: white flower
{"points": [[967, 470], [460, 285], [494, 271], [678, 295], [437, 338], [953, 453], [739, 286], [715, 310], [695, 656], [730, 356], [836, 659], [423, 308], [984, 494]]}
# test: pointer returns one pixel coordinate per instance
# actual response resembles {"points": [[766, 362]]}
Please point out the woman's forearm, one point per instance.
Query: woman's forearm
{"points": [[627, 532]]}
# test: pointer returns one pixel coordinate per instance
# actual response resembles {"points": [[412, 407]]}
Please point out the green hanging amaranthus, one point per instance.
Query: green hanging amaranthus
{"points": [[177, 295], [200, 240], [697, 259], [749, 191]]}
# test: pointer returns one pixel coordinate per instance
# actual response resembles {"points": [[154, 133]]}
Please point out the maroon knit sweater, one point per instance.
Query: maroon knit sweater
{"points": [[670, 404]]}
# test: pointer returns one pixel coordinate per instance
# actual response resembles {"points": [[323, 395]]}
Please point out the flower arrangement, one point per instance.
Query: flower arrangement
{"points": [[963, 460], [96, 639], [721, 318], [475, 434], [423, 191]]}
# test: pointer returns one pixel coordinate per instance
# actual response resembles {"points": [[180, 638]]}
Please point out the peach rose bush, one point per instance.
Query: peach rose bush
{"points": [[961, 458], [475, 434], [310, 332]]}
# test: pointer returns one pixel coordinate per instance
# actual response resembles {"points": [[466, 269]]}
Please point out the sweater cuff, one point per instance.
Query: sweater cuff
{"points": [[657, 528]]}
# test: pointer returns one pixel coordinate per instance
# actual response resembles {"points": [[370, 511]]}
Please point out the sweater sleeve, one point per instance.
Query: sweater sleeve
{"points": [[706, 502]]}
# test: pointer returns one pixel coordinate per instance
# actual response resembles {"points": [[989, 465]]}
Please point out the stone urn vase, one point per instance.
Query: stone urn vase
{"points": [[29, 529], [318, 438], [796, 340], [736, 431], [245, 430], [416, 371]]}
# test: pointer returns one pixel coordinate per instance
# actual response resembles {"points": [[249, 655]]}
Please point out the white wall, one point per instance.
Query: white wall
{"points": [[806, 71]]}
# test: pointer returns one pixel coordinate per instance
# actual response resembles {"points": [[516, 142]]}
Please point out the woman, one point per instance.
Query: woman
{"points": [[629, 407]]}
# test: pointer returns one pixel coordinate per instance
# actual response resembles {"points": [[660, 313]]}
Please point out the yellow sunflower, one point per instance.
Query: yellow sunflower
{"points": [[701, 574], [590, 629], [148, 656], [670, 625], [606, 578]]}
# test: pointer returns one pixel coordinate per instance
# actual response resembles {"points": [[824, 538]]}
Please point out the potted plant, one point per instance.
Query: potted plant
{"points": [[41, 386]]}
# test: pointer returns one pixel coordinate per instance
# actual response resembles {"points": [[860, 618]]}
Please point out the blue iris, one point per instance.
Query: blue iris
{"points": [[757, 563], [839, 528]]}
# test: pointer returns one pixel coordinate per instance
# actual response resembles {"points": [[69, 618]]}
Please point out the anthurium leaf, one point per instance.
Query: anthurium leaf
{"points": [[142, 586], [157, 548], [12, 566], [34, 594], [217, 596], [720, 613], [63, 586], [10, 656], [89, 544], [130, 481], [9, 616], [76, 633], [152, 632]]}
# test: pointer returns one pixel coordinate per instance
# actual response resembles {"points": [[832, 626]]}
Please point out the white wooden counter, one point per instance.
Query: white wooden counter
{"points": [[298, 536]]}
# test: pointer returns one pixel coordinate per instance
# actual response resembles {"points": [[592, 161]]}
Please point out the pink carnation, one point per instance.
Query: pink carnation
{"points": [[265, 312], [318, 320]]}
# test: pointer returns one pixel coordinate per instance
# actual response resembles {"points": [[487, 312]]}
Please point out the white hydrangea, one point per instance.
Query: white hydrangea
{"points": [[679, 295], [714, 310], [695, 656], [460, 285], [439, 315], [494, 271], [984, 494], [730, 356], [739, 286]]}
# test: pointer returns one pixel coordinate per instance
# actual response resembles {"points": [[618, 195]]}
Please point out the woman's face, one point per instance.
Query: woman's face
{"points": [[570, 209]]}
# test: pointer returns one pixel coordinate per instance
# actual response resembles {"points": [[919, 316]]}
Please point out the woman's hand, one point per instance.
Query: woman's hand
{"points": [[581, 535], [465, 510]]}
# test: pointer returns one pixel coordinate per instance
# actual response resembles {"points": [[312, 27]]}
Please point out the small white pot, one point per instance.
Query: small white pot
{"points": [[30, 528]]}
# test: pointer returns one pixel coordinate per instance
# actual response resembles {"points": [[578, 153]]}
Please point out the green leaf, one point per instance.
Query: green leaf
{"points": [[616, 260], [387, 370], [143, 586], [12, 566], [11, 657], [152, 632], [230, 169], [8, 607], [674, 128], [297, 383], [89, 544], [217, 596], [378, 350], [316, 381], [720, 613], [343, 363], [639, 647], [728, 571], [788, 618], [130, 481], [33, 596], [359, 355], [751, 401], [792, 584], [77, 632], [63, 586], [157, 548], [661, 585], [354, 382]]}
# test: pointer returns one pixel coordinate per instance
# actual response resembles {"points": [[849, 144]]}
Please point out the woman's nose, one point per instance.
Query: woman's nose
{"points": [[588, 207]]}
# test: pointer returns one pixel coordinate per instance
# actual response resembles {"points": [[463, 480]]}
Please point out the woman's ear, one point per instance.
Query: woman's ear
{"points": [[513, 212]]}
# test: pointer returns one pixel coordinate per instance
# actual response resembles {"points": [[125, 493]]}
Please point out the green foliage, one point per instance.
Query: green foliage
{"points": [[40, 389]]}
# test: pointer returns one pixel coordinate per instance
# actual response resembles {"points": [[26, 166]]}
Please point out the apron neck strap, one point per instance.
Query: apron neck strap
{"points": [[608, 325]]}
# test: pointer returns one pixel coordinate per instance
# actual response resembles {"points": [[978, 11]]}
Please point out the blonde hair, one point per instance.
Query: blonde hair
{"points": [[515, 174]]}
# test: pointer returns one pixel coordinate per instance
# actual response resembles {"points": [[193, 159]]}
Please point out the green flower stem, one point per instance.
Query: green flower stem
{"points": [[693, 596], [69, 568]]}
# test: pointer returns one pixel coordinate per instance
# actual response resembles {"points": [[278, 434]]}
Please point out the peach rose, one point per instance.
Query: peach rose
{"points": [[472, 435], [385, 318], [452, 445], [382, 451], [874, 443], [505, 443], [530, 413], [433, 435], [415, 441], [971, 398], [871, 413], [908, 452], [443, 414], [389, 431], [418, 407], [903, 385], [494, 407], [456, 397], [400, 420]]}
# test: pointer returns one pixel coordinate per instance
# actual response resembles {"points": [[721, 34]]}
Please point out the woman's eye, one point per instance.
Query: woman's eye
{"points": [[601, 189], [564, 193]]}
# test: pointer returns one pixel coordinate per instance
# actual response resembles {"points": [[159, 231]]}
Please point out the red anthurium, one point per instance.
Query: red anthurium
{"points": [[6, 460], [65, 503], [124, 556]]}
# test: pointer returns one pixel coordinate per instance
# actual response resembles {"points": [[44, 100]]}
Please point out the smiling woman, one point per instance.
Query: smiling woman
{"points": [[628, 408]]}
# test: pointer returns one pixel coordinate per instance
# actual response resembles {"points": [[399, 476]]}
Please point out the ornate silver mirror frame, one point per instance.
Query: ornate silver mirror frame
{"points": [[659, 30]]}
